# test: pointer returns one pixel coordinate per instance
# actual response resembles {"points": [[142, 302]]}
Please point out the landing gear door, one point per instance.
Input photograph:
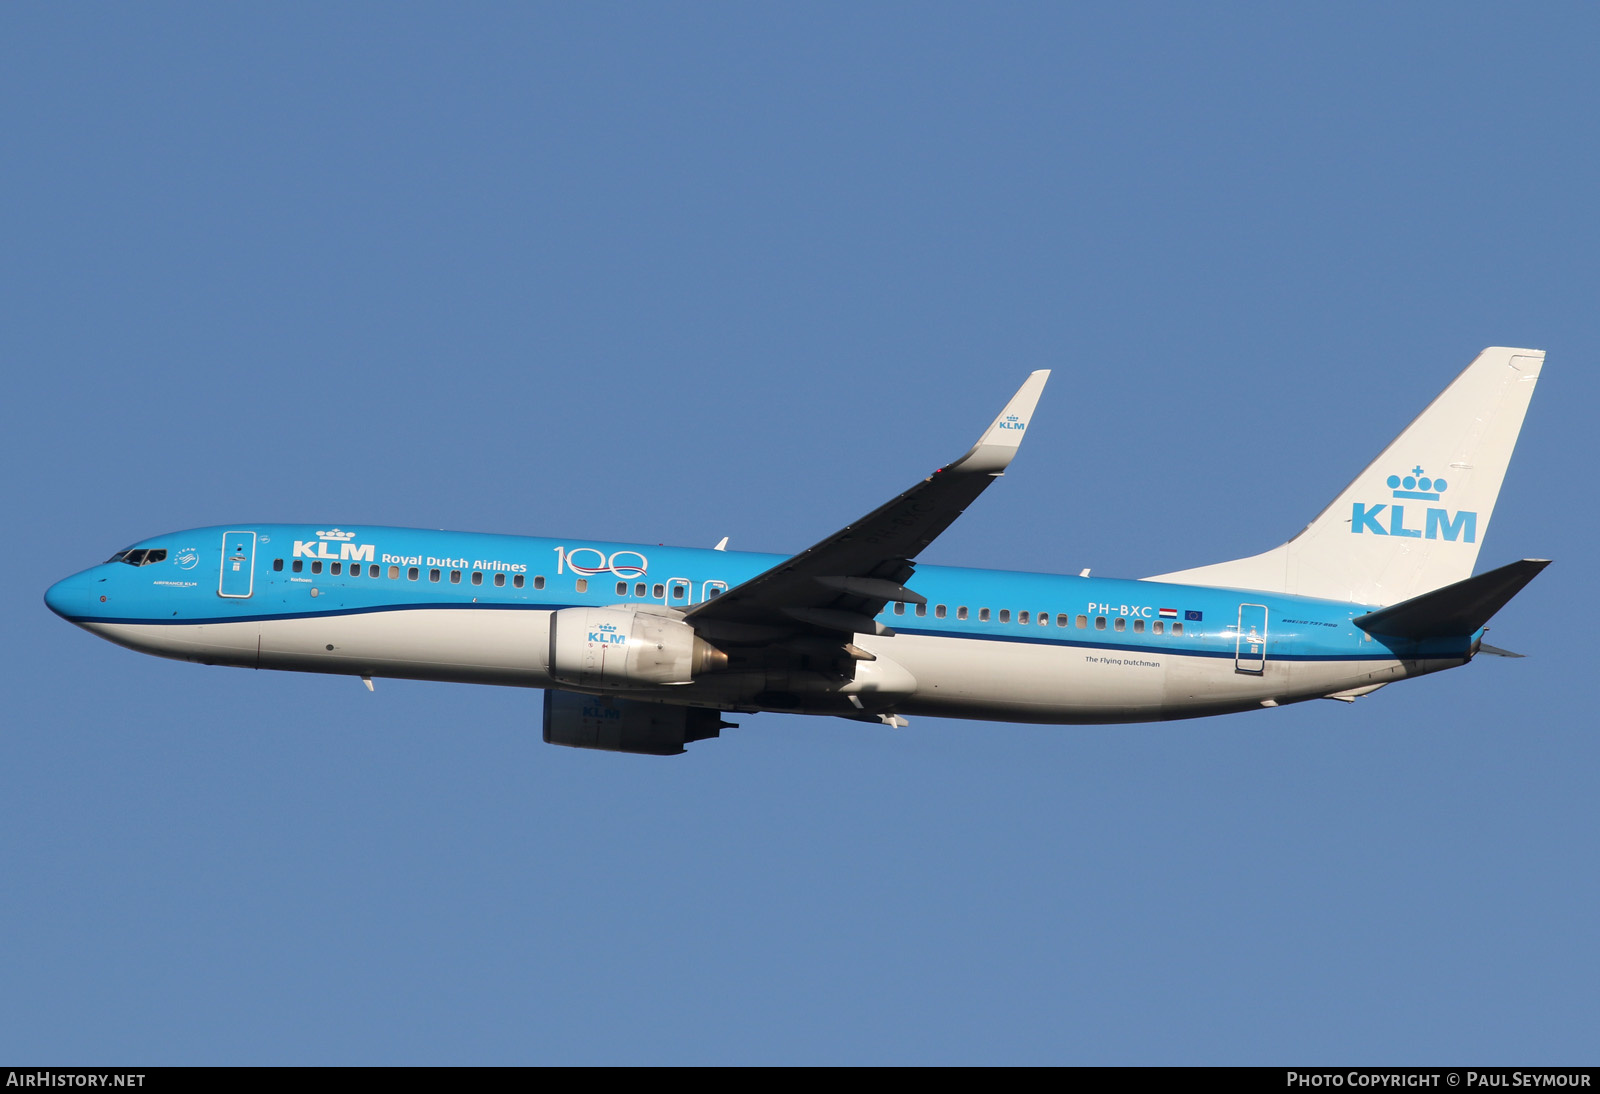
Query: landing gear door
{"points": [[238, 565], [1250, 655]]}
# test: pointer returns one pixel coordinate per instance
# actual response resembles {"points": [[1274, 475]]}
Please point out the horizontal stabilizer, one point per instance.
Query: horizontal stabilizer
{"points": [[1456, 610], [1484, 647]]}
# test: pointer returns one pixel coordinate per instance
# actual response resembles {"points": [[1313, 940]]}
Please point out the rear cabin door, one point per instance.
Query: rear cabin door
{"points": [[238, 564], [1250, 655]]}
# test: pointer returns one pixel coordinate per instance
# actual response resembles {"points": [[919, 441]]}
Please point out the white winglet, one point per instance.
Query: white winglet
{"points": [[999, 443]]}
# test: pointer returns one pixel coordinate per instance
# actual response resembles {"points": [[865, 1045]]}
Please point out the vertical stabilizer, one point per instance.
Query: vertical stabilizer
{"points": [[1414, 519]]}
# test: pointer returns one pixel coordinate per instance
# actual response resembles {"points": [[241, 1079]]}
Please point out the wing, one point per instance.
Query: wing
{"points": [[834, 589]]}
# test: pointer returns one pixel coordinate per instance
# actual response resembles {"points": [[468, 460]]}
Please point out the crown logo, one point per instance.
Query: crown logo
{"points": [[1417, 485], [334, 533]]}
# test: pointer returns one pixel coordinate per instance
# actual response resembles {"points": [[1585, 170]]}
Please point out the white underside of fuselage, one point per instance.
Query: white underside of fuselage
{"points": [[941, 677]]}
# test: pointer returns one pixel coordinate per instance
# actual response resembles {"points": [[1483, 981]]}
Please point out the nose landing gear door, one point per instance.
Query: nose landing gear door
{"points": [[238, 565]]}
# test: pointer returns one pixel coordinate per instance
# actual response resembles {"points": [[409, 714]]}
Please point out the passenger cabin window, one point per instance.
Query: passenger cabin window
{"points": [[1157, 627], [517, 581], [1063, 621], [659, 591], [333, 568], [679, 592], [477, 577], [583, 584], [455, 577], [538, 581], [1138, 626], [1177, 628], [411, 574], [433, 575], [1005, 615], [1022, 617], [1121, 624], [299, 564], [316, 566], [277, 565], [1083, 622], [622, 588], [638, 589], [961, 612], [1099, 622], [394, 571], [922, 609], [939, 611], [899, 608], [983, 615], [499, 581]]}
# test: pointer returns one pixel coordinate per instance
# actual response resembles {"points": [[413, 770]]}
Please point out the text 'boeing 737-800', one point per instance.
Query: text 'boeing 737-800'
{"points": [[644, 649]]}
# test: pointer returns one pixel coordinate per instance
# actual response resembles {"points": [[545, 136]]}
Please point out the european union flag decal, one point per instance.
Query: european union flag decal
{"points": [[1193, 617]]}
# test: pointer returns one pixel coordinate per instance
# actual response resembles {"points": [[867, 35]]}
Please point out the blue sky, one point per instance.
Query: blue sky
{"points": [[668, 273]]}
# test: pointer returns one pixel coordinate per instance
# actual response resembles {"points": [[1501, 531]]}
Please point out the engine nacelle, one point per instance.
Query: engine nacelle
{"points": [[612, 724], [626, 648]]}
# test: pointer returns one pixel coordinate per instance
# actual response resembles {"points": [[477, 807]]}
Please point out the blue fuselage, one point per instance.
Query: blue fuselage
{"points": [[379, 601]]}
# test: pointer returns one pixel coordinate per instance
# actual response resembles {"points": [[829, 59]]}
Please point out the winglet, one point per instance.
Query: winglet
{"points": [[999, 443]]}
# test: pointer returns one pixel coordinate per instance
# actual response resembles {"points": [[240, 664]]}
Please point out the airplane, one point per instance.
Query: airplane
{"points": [[644, 649]]}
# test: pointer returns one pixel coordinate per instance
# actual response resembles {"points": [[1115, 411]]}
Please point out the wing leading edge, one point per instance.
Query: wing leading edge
{"points": [[835, 588]]}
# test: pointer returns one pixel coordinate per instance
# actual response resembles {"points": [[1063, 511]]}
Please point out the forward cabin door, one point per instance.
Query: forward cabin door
{"points": [[1250, 655], [238, 565]]}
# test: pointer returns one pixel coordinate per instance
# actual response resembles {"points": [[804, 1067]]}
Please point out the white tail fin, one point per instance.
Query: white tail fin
{"points": [[1413, 520]]}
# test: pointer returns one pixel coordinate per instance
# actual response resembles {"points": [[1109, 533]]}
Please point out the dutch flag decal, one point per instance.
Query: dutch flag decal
{"points": [[1169, 613]]}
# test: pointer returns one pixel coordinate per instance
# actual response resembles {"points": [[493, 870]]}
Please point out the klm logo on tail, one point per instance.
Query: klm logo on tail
{"points": [[1438, 523]]}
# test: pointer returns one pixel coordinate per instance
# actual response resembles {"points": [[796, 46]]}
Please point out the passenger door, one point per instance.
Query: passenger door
{"points": [[1250, 654], [238, 565]]}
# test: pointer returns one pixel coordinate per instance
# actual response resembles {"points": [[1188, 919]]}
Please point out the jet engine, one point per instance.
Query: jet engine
{"points": [[613, 724], [626, 648]]}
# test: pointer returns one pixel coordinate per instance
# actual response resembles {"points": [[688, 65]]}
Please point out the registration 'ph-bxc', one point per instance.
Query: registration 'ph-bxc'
{"points": [[644, 649]]}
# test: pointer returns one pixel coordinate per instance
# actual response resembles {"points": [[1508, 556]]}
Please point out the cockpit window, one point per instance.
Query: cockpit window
{"points": [[140, 556]]}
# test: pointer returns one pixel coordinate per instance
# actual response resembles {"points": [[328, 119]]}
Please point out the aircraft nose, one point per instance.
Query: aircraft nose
{"points": [[71, 597]]}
